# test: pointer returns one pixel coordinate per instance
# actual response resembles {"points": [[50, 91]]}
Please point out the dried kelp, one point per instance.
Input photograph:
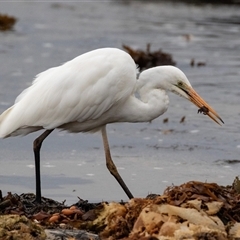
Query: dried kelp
{"points": [[147, 59], [207, 192], [191, 210], [6, 22]]}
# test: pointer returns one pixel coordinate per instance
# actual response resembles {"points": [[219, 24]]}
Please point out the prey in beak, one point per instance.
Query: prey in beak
{"points": [[204, 107]]}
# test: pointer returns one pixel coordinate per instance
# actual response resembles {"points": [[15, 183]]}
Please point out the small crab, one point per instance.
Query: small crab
{"points": [[203, 110]]}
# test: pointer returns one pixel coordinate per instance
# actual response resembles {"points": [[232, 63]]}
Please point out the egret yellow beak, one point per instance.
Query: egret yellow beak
{"points": [[204, 107]]}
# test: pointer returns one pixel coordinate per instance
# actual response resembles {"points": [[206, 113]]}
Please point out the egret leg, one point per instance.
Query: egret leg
{"points": [[111, 166], [37, 144]]}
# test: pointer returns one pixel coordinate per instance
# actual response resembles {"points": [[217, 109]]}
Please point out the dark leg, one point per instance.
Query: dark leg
{"points": [[111, 166], [36, 148]]}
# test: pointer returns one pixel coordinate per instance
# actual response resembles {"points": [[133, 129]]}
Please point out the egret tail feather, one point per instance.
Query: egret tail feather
{"points": [[3, 117]]}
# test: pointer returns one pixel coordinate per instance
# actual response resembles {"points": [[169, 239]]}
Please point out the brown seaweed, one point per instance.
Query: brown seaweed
{"points": [[6, 22], [146, 58]]}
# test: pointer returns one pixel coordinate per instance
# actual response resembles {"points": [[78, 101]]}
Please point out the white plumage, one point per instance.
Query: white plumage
{"points": [[77, 91], [90, 91]]}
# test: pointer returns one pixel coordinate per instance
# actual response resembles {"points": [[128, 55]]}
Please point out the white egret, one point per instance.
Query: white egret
{"points": [[91, 91]]}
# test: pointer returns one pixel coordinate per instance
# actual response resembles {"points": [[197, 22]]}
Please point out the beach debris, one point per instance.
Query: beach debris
{"points": [[189, 211], [182, 119], [70, 234], [20, 227], [198, 64], [236, 182], [146, 58], [6, 22], [165, 120]]}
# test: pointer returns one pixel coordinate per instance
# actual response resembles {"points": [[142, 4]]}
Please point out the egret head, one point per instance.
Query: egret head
{"points": [[180, 85], [174, 80]]}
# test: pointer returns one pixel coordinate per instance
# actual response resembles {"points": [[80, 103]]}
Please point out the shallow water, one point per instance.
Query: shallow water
{"points": [[149, 156]]}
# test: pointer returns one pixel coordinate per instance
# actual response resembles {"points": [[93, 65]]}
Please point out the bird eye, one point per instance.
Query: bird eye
{"points": [[180, 84]]}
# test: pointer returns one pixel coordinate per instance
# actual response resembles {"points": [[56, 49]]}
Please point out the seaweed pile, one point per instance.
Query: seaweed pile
{"points": [[147, 59], [193, 210]]}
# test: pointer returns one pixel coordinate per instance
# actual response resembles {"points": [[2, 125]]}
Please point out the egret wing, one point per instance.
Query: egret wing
{"points": [[80, 90]]}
